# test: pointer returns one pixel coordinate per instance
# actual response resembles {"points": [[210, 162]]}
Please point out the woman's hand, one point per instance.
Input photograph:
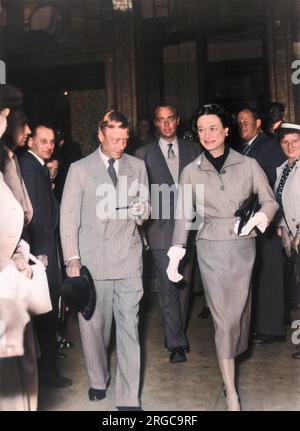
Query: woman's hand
{"points": [[22, 265], [296, 240], [175, 253], [286, 241]]}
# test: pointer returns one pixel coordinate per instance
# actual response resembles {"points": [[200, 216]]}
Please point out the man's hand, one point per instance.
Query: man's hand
{"points": [[73, 268]]}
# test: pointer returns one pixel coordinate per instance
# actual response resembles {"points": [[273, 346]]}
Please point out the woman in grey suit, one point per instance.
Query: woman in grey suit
{"points": [[220, 180]]}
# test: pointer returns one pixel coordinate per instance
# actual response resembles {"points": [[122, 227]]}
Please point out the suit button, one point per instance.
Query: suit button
{"points": [[225, 205], [222, 188], [293, 219], [223, 171]]}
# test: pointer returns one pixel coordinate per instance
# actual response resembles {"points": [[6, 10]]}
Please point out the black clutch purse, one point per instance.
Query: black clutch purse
{"points": [[248, 208]]}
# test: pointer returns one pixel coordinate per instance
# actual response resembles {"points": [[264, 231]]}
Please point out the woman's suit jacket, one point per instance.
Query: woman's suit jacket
{"points": [[223, 194], [11, 223], [290, 197], [18, 375]]}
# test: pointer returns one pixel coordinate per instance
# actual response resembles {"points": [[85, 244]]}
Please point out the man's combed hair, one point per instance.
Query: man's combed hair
{"points": [[38, 125], [166, 105], [254, 112], [113, 117]]}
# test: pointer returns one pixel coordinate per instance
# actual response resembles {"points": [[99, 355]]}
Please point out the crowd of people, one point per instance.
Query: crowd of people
{"points": [[99, 212]]}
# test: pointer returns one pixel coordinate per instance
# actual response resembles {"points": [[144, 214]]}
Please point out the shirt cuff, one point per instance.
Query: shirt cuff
{"points": [[72, 258]]}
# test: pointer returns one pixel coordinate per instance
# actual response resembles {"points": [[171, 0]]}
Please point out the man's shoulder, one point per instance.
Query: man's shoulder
{"points": [[264, 138], [143, 151], [28, 161], [190, 147], [86, 161], [135, 163]]}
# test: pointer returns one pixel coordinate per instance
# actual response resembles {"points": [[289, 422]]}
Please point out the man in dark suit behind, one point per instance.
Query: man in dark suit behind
{"points": [[165, 159], [43, 242], [268, 287]]}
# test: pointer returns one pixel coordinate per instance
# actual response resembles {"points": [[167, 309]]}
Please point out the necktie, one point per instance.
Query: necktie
{"points": [[46, 170], [245, 147], [171, 154], [112, 172]]}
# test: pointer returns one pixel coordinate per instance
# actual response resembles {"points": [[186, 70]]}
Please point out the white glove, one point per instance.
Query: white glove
{"points": [[175, 253], [260, 220]]}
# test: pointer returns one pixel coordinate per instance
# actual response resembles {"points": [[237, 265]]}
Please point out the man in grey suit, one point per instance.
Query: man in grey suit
{"points": [[105, 197], [165, 159]]}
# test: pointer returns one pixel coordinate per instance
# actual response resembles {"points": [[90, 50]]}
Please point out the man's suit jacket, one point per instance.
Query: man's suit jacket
{"points": [[267, 152], [160, 230], [42, 229], [111, 248]]}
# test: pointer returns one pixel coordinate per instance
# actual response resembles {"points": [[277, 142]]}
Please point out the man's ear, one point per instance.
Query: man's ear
{"points": [[178, 119], [258, 123], [30, 142], [100, 135]]}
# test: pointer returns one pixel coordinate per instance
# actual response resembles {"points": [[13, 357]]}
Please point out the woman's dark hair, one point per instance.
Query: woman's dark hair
{"points": [[15, 119], [212, 109]]}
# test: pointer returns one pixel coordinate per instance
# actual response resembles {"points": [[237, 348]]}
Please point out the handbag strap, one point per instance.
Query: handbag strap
{"points": [[287, 225], [35, 260]]}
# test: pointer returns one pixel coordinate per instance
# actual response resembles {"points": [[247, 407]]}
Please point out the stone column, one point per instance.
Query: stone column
{"points": [[124, 64], [280, 54], [15, 27]]}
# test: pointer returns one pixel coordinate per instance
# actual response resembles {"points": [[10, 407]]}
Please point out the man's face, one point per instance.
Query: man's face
{"points": [[113, 140], [248, 126], [53, 169], [21, 135], [166, 122], [42, 144]]}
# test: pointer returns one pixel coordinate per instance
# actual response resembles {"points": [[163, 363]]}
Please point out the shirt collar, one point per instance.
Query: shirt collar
{"points": [[42, 162], [174, 141], [105, 159], [251, 140]]}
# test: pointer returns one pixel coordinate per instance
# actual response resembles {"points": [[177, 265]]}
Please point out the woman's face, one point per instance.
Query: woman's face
{"points": [[212, 134], [290, 145]]}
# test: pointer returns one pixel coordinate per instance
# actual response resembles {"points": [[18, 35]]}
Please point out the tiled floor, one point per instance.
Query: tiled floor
{"points": [[269, 379]]}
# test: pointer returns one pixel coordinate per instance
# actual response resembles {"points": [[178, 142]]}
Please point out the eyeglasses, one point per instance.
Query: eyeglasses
{"points": [[293, 142], [170, 119]]}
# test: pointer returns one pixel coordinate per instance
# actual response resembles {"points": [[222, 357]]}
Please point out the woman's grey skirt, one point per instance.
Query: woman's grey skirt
{"points": [[226, 269]]}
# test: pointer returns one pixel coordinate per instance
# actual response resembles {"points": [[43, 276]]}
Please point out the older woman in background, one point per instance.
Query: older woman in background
{"points": [[287, 190]]}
